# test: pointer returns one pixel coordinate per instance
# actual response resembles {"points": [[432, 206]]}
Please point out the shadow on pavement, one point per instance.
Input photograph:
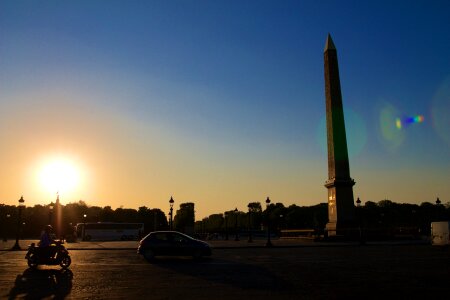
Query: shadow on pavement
{"points": [[236, 274], [42, 283]]}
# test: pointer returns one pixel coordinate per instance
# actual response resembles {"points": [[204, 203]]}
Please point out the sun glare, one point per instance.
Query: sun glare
{"points": [[59, 175]]}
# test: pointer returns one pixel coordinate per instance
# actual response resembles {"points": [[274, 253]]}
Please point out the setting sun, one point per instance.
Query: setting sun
{"points": [[59, 175]]}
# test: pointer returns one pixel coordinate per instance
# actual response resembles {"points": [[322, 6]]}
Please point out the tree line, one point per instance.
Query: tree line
{"points": [[384, 215]]}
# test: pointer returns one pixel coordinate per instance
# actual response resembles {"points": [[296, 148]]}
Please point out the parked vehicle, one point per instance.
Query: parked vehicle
{"points": [[172, 243], [109, 231], [55, 254]]}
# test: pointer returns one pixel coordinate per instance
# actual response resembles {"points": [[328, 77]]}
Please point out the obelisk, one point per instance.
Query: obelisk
{"points": [[339, 184]]}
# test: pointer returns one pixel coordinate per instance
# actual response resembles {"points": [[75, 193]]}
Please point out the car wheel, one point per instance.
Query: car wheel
{"points": [[149, 255]]}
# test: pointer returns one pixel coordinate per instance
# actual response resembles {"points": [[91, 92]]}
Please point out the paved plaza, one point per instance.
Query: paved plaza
{"points": [[293, 269]]}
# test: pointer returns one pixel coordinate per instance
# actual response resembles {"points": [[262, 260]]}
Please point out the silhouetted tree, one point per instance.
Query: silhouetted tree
{"points": [[385, 216], [185, 218]]}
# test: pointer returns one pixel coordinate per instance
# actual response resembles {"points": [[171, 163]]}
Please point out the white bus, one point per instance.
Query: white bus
{"points": [[109, 231], [440, 233]]}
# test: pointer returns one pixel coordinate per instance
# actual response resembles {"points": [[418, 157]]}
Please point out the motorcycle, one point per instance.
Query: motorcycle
{"points": [[56, 254]]}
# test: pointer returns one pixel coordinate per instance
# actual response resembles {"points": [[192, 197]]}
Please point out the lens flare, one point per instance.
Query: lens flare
{"points": [[389, 127], [401, 123], [440, 107]]}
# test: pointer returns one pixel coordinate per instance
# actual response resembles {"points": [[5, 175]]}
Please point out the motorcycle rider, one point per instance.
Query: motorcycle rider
{"points": [[46, 242]]}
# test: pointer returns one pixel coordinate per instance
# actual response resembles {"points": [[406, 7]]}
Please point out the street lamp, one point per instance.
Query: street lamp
{"points": [[236, 238], [3, 229], [226, 226], [5, 238], [50, 214], [83, 233], [19, 221], [358, 210], [268, 243], [250, 239], [438, 201], [281, 224], [171, 201], [438, 209]]}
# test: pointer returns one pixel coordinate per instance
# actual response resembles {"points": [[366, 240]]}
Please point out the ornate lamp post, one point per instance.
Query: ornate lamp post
{"points": [[171, 201], [250, 239], [281, 224], [268, 243], [358, 210], [438, 209], [19, 222], [50, 214], [3, 228], [8, 216], [84, 227], [236, 238], [226, 226]]}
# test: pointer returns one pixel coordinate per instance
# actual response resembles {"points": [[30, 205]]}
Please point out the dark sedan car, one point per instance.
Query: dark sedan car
{"points": [[172, 243]]}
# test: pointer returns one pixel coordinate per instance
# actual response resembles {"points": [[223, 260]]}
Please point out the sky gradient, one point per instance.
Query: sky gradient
{"points": [[221, 103]]}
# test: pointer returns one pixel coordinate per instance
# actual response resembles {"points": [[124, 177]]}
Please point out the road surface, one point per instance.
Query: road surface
{"points": [[344, 272]]}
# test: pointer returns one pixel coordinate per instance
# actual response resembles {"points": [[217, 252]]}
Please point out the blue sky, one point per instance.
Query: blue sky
{"points": [[222, 102]]}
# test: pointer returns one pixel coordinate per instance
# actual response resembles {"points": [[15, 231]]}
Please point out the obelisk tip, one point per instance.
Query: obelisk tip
{"points": [[329, 45]]}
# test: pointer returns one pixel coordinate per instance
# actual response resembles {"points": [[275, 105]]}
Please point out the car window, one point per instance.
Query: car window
{"points": [[161, 236], [179, 238]]}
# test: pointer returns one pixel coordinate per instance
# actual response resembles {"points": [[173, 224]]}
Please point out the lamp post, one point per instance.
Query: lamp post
{"points": [[268, 243], [280, 225], [19, 221], [358, 210], [50, 214], [3, 225], [226, 226], [171, 201], [250, 239], [5, 238], [236, 238], [84, 228], [438, 209]]}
